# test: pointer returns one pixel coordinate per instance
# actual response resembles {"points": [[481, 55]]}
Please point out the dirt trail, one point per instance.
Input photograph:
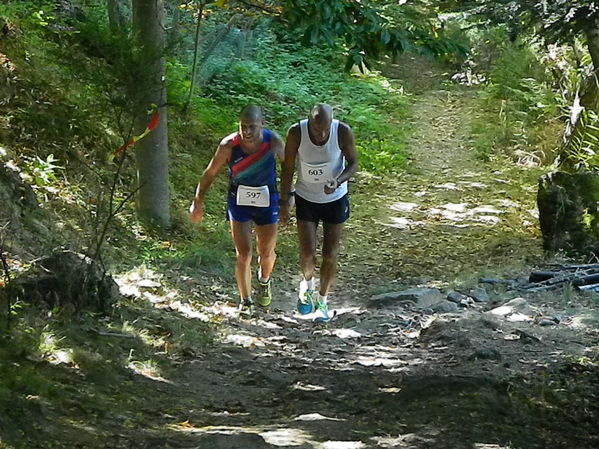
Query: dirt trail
{"points": [[382, 374], [450, 216], [397, 375]]}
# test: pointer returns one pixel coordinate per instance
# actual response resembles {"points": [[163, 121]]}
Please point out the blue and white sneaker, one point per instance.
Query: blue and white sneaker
{"points": [[321, 314], [305, 302]]}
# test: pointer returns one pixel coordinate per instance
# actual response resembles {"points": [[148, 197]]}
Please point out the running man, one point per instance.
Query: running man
{"points": [[250, 154], [323, 151]]}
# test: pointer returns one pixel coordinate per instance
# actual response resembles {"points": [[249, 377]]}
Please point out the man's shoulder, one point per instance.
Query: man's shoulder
{"points": [[229, 141], [294, 132], [343, 127], [295, 128], [273, 135]]}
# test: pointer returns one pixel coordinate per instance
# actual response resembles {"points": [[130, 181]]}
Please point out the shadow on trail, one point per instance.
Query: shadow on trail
{"points": [[309, 398]]}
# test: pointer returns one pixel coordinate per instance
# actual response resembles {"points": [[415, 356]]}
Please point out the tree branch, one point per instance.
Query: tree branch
{"points": [[259, 7]]}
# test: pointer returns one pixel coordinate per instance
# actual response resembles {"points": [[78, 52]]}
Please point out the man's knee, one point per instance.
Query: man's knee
{"points": [[330, 256], [266, 253], [244, 255], [306, 253]]}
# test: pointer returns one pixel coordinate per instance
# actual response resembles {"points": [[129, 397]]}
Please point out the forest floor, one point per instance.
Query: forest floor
{"points": [[381, 374]]}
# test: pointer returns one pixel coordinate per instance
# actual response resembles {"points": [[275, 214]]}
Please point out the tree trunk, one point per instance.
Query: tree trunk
{"points": [[195, 57], [175, 25], [116, 19], [150, 92], [568, 212]]}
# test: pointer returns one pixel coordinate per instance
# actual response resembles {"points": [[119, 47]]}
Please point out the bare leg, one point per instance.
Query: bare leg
{"points": [[242, 239], [306, 231], [266, 240], [330, 250]]}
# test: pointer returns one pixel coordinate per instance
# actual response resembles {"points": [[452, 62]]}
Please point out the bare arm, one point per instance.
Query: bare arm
{"points": [[348, 148], [220, 158], [291, 147], [345, 139], [277, 146]]}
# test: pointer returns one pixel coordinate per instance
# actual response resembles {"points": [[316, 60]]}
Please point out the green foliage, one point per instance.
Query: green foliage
{"points": [[583, 149], [519, 97], [556, 21], [41, 172], [366, 30], [288, 79], [518, 76], [61, 92]]}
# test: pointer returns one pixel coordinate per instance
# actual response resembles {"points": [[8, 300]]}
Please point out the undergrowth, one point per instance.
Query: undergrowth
{"points": [[519, 109], [68, 110]]}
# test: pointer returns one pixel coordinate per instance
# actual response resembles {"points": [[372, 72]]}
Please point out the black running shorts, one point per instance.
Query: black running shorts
{"points": [[335, 212]]}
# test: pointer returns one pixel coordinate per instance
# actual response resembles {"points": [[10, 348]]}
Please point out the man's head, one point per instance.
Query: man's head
{"points": [[251, 123], [319, 123]]}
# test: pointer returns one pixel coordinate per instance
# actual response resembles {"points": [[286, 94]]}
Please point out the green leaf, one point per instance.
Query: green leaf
{"points": [[385, 36], [315, 35]]}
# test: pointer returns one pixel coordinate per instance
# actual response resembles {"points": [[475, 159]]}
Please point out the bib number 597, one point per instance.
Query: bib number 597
{"points": [[253, 196]]}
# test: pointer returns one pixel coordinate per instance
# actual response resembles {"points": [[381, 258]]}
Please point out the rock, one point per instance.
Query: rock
{"points": [[490, 322], [17, 207], [548, 322], [421, 297], [148, 283], [486, 354], [456, 297], [518, 318], [568, 213], [479, 294], [516, 309], [234, 441], [66, 277], [445, 307], [14, 191]]}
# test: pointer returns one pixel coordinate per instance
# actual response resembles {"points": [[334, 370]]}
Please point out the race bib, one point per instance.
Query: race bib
{"points": [[253, 196], [316, 173]]}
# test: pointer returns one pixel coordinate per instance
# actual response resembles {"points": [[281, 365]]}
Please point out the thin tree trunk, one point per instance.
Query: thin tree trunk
{"points": [[175, 25], [245, 38], [151, 151], [116, 19], [195, 58]]}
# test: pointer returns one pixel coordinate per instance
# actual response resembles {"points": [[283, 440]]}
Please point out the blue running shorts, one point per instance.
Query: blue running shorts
{"points": [[259, 215]]}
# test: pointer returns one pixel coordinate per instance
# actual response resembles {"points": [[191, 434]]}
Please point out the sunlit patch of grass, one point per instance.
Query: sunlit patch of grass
{"points": [[49, 343], [147, 368]]}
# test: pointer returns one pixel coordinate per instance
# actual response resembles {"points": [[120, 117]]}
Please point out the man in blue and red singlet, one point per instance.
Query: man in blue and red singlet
{"points": [[250, 154]]}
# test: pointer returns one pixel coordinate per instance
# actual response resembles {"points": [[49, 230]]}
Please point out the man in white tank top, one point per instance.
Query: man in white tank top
{"points": [[322, 151]]}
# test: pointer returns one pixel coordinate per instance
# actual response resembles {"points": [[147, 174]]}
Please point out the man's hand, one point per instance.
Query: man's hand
{"points": [[331, 186], [196, 211]]}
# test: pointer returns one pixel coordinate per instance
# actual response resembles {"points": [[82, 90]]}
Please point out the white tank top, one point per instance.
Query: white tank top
{"points": [[317, 164]]}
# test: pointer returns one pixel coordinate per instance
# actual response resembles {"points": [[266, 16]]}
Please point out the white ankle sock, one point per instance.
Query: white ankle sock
{"points": [[307, 284], [260, 278]]}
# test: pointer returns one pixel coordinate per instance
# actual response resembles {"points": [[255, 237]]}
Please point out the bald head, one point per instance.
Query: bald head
{"points": [[319, 123], [322, 114], [251, 122], [251, 113]]}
